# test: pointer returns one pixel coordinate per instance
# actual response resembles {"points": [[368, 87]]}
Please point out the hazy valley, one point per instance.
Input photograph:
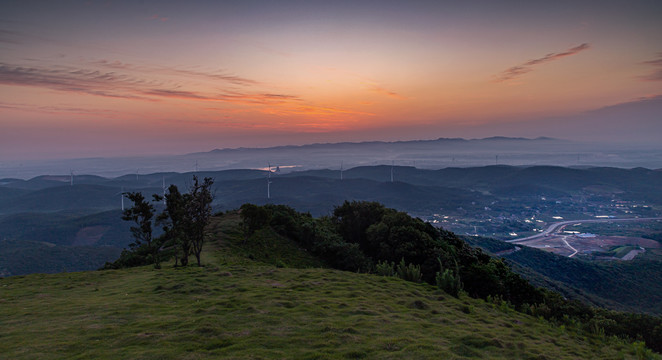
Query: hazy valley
{"points": [[77, 226]]}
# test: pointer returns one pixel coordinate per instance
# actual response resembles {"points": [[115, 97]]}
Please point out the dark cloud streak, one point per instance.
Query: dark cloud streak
{"points": [[656, 75], [223, 77], [73, 80], [237, 80], [263, 99], [526, 67], [118, 85]]}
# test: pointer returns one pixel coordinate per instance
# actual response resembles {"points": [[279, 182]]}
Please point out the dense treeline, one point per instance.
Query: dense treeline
{"points": [[368, 237]]}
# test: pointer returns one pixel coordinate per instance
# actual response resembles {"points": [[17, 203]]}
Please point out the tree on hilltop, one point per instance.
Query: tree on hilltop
{"points": [[184, 220], [198, 202], [174, 222]]}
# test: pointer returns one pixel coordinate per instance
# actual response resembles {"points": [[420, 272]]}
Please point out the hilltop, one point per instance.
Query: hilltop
{"points": [[270, 299]]}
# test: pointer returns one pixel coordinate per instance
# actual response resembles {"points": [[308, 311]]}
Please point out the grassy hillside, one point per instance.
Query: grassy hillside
{"points": [[241, 306]]}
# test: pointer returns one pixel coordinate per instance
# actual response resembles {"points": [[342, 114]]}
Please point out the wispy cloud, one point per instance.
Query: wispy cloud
{"points": [[92, 82], [118, 84], [239, 98], [263, 98], [656, 75], [216, 76], [209, 75], [159, 17], [178, 94], [378, 89], [116, 79], [526, 67], [60, 109]]}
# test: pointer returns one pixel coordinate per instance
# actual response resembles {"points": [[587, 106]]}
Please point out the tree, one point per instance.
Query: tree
{"points": [[141, 213], [198, 206], [145, 249], [185, 218], [175, 224]]}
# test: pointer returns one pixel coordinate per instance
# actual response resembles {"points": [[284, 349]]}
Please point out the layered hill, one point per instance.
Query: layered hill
{"points": [[49, 211], [242, 308]]}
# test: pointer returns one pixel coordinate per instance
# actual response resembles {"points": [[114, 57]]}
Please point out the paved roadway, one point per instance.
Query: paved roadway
{"points": [[556, 226]]}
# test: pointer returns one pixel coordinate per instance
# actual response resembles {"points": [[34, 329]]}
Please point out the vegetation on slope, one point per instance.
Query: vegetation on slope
{"points": [[239, 308], [363, 236], [619, 285], [247, 302]]}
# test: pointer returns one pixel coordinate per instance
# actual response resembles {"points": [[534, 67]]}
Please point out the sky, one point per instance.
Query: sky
{"points": [[120, 78]]}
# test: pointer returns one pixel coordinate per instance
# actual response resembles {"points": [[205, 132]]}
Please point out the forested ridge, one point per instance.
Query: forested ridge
{"points": [[368, 237]]}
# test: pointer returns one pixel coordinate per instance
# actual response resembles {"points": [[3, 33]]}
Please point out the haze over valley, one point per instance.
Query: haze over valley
{"points": [[330, 180], [424, 154]]}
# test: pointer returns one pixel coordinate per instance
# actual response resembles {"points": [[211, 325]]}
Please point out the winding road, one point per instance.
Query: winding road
{"points": [[552, 228], [570, 246]]}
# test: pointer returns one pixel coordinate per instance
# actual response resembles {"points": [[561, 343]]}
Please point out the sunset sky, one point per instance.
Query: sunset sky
{"points": [[113, 78]]}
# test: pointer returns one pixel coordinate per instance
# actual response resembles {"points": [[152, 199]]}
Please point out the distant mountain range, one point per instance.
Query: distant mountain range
{"points": [[439, 141], [427, 154]]}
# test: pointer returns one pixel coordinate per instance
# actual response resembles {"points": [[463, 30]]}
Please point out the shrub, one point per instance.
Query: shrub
{"points": [[385, 268], [448, 280], [409, 272]]}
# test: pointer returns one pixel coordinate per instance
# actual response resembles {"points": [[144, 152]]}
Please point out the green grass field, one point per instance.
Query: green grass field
{"points": [[238, 308]]}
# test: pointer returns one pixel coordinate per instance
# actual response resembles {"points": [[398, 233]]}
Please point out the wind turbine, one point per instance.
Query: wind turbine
{"points": [[121, 193], [71, 177], [392, 164], [341, 170], [269, 182]]}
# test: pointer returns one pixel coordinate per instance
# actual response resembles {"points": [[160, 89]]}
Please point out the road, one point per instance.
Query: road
{"points": [[570, 246], [633, 253], [556, 226]]}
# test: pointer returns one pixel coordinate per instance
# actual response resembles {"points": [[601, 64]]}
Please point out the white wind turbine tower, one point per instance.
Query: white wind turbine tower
{"points": [[121, 193], [392, 164], [269, 182], [341, 170], [71, 177]]}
